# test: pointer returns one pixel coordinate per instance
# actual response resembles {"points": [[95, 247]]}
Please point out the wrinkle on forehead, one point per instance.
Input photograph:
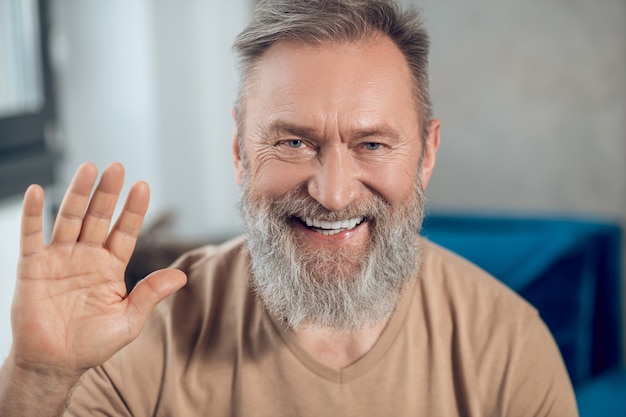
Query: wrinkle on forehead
{"points": [[287, 75]]}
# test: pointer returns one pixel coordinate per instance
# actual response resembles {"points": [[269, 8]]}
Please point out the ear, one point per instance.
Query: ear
{"points": [[430, 152], [236, 149]]}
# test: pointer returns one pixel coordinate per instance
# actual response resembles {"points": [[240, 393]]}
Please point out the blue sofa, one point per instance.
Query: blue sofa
{"points": [[570, 271]]}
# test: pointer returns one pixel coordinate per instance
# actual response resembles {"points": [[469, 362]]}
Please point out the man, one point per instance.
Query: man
{"points": [[330, 305]]}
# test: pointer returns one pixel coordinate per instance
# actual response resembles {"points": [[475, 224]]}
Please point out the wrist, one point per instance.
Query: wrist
{"points": [[27, 390]]}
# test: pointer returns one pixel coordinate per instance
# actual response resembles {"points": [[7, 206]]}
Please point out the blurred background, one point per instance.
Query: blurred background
{"points": [[531, 94]]}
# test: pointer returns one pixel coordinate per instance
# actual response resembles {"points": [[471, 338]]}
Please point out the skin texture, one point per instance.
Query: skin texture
{"points": [[338, 121]]}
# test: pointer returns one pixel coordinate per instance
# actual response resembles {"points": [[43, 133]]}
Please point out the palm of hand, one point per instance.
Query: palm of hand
{"points": [[72, 295], [70, 310]]}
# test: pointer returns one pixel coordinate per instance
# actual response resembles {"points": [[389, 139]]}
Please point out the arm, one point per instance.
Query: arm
{"points": [[70, 309]]}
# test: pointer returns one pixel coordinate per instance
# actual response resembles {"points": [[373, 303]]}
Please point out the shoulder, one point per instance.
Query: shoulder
{"points": [[466, 287], [492, 334], [214, 267], [217, 280], [471, 310], [212, 256]]}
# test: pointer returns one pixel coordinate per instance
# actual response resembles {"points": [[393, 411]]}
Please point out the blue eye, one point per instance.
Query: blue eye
{"points": [[372, 146], [295, 143]]}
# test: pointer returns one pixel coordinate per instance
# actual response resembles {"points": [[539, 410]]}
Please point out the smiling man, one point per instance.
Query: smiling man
{"points": [[330, 304], [332, 165]]}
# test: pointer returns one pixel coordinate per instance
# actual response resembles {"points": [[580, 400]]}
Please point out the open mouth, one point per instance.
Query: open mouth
{"points": [[328, 228]]}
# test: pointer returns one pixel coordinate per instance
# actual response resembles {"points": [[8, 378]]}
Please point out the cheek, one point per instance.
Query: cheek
{"points": [[274, 178], [394, 182], [400, 186]]}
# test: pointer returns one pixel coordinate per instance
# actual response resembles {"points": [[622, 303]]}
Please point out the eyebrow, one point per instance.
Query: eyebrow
{"points": [[279, 127], [380, 131]]}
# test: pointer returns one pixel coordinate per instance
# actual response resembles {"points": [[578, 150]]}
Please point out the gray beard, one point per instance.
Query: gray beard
{"points": [[337, 289]]}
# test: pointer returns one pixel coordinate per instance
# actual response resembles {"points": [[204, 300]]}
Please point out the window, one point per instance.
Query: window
{"points": [[26, 96]]}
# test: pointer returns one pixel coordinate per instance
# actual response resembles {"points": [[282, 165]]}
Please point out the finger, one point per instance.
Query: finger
{"points": [[123, 236], [31, 235], [70, 218], [95, 227], [151, 291]]}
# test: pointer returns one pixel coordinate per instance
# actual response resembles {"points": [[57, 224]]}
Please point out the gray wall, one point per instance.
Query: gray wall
{"points": [[532, 97]]}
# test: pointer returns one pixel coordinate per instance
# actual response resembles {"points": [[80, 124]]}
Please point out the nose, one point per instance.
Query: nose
{"points": [[335, 183]]}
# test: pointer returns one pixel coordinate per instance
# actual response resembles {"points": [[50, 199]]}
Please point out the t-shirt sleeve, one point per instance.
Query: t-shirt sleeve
{"points": [[97, 395], [537, 381]]}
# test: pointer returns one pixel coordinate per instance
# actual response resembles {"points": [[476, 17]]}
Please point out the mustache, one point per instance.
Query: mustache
{"points": [[298, 204]]}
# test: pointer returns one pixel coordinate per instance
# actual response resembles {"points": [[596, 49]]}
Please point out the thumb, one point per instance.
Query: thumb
{"points": [[150, 291]]}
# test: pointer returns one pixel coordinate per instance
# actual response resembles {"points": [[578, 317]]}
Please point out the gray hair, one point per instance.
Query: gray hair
{"points": [[313, 22]]}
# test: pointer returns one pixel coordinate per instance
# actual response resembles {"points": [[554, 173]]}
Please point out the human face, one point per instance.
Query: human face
{"points": [[339, 122]]}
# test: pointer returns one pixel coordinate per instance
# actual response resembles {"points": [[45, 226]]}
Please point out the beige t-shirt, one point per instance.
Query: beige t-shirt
{"points": [[459, 344]]}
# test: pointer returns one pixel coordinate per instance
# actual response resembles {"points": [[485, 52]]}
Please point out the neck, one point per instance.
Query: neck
{"points": [[337, 349]]}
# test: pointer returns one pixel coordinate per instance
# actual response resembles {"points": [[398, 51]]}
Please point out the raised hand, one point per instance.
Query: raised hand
{"points": [[70, 309]]}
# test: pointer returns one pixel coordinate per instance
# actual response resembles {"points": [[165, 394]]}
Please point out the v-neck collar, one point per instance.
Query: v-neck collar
{"points": [[367, 361]]}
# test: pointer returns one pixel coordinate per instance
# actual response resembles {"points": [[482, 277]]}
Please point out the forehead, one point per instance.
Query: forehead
{"points": [[335, 78]]}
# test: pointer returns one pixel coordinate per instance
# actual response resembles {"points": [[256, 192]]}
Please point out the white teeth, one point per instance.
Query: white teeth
{"points": [[329, 232], [331, 228]]}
